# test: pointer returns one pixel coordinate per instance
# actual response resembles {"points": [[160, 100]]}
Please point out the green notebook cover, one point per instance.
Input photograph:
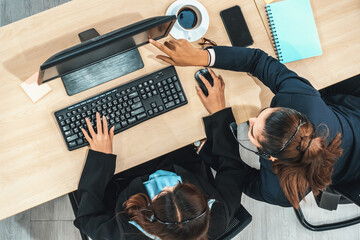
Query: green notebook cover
{"points": [[294, 31]]}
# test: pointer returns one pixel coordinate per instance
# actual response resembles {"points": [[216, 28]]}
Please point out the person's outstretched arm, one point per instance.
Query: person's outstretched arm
{"points": [[267, 69], [92, 217]]}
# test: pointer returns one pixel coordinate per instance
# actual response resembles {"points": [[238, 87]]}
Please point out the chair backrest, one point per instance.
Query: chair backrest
{"points": [[350, 190], [241, 219]]}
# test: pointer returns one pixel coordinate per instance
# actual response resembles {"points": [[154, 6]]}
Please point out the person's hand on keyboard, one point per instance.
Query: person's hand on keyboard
{"points": [[181, 53], [102, 140], [215, 101]]}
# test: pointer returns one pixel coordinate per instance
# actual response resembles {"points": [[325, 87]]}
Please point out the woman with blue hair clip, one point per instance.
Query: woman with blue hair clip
{"points": [[171, 197]]}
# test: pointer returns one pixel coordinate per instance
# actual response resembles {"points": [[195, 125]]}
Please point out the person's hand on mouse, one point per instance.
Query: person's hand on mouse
{"points": [[181, 53], [215, 101], [103, 139]]}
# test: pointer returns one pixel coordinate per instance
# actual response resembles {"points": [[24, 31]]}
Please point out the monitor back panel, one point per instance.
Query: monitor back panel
{"points": [[103, 71]]}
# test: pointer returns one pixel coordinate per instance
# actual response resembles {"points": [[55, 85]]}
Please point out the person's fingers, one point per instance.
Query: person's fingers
{"points": [[206, 82], [169, 45], [217, 82], [98, 123], [174, 42], [161, 47], [91, 129], [166, 59], [86, 135], [111, 133], [201, 94], [222, 82], [105, 126]]}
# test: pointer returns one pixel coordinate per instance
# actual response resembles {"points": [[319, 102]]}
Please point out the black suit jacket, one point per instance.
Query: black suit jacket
{"points": [[100, 222], [340, 112]]}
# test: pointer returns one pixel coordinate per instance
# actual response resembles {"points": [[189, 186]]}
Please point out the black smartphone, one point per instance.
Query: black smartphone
{"points": [[236, 27]]}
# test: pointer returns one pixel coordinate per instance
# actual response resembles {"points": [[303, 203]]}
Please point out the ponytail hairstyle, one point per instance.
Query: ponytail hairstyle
{"points": [[307, 161], [166, 215]]}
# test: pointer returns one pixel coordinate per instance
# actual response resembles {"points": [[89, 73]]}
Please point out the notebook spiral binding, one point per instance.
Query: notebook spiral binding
{"points": [[273, 33]]}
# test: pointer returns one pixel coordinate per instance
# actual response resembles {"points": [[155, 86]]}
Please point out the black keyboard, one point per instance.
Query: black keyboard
{"points": [[124, 106]]}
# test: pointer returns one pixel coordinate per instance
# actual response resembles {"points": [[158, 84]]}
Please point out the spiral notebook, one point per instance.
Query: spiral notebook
{"points": [[294, 31]]}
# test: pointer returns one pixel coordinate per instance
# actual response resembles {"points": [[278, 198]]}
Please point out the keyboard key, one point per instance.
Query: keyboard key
{"points": [[60, 117], [117, 127], [72, 138], [72, 144], [66, 128], [150, 112], [156, 110], [153, 104], [177, 101], [137, 99], [141, 116], [136, 105], [72, 125], [124, 124], [132, 120], [170, 104], [182, 98], [68, 133], [161, 108], [79, 141], [177, 86], [169, 80], [137, 111], [174, 78], [62, 123], [134, 94]]}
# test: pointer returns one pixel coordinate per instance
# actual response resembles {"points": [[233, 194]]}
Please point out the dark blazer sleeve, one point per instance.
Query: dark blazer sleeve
{"points": [[267, 69], [233, 172], [230, 174], [92, 217]]}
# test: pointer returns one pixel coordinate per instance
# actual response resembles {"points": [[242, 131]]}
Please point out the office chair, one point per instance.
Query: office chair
{"points": [[241, 219], [329, 200], [335, 194]]}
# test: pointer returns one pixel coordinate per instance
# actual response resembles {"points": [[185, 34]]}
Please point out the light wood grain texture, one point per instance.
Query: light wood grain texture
{"points": [[35, 165], [338, 25]]}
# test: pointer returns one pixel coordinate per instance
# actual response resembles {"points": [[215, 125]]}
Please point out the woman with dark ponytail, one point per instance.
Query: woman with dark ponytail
{"points": [[174, 197], [306, 139]]}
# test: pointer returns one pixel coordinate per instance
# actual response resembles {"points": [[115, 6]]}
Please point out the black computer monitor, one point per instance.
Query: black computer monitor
{"points": [[105, 46]]}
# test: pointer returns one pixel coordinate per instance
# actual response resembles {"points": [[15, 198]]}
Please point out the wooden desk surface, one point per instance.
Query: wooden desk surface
{"points": [[35, 165], [338, 25]]}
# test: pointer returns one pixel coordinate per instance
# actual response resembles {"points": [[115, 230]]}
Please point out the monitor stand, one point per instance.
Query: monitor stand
{"points": [[103, 71]]}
